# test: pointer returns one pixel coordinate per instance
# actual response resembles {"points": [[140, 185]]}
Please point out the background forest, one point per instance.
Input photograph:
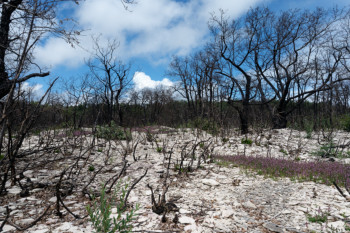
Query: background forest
{"points": [[264, 69]]}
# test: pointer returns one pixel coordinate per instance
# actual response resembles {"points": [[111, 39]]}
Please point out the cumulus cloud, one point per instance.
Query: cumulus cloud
{"points": [[149, 29], [36, 91], [152, 29], [142, 80], [58, 52]]}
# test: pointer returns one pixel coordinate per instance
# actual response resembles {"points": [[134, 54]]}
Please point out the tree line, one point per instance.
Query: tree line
{"points": [[264, 68], [276, 60]]}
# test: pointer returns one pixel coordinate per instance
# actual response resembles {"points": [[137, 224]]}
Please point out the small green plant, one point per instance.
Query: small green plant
{"points": [[2, 156], [101, 210], [183, 169], [91, 168], [99, 150], [309, 126], [343, 215], [297, 158], [159, 149], [56, 151], [246, 141], [347, 228], [283, 151], [201, 145], [308, 134], [328, 150], [224, 140], [149, 136], [319, 217]]}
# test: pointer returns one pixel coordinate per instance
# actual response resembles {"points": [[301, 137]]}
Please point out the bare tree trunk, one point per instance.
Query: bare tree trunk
{"points": [[243, 116], [279, 120]]}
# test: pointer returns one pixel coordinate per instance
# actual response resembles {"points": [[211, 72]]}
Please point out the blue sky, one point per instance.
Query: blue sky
{"points": [[149, 33]]}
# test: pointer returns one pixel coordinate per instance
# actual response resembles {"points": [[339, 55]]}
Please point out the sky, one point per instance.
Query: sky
{"points": [[149, 33]]}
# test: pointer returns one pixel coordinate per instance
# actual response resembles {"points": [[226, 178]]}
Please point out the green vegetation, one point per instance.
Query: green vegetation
{"points": [[113, 132], [345, 123], [159, 149], [183, 169], [320, 217], [330, 150], [91, 168], [224, 140], [320, 172], [309, 126], [101, 210], [246, 141], [223, 163], [211, 127], [36, 132], [347, 228], [149, 136], [283, 151]]}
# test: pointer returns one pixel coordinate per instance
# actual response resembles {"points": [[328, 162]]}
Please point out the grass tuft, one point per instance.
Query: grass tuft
{"points": [[320, 217]]}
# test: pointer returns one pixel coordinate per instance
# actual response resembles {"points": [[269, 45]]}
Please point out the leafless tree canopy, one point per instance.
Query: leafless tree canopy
{"points": [[276, 60], [23, 24], [111, 78]]}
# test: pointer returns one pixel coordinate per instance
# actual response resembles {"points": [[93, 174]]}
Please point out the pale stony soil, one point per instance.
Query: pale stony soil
{"points": [[213, 198]]}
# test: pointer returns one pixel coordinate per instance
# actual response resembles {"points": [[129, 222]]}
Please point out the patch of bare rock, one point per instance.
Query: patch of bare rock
{"points": [[212, 198]]}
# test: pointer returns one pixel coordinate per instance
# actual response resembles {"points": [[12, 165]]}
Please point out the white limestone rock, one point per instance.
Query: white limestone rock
{"points": [[53, 199], [14, 190], [191, 228], [25, 221], [2, 209], [210, 182], [223, 225], [249, 205], [8, 228], [338, 225], [28, 173], [228, 212], [184, 211], [186, 220]]}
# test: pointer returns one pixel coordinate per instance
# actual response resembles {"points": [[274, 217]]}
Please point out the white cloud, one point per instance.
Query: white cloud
{"points": [[58, 52], [36, 91], [142, 80], [152, 29]]}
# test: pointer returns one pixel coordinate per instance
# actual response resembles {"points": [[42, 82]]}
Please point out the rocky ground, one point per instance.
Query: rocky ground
{"points": [[212, 197]]}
